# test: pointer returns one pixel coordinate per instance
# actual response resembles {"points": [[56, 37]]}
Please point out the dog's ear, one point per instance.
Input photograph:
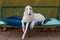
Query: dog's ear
{"points": [[25, 9]]}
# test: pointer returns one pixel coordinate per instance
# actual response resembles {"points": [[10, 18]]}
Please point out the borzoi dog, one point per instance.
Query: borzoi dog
{"points": [[30, 16]]}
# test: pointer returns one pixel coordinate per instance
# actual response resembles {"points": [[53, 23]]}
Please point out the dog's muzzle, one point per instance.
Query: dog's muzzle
{"points": [[29, 14]]}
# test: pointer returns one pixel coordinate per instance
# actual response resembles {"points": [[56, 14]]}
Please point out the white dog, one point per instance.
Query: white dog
{"points": [[28, 17]]}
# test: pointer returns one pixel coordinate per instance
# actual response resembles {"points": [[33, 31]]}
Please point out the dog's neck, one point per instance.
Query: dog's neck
{"points": [[27, 15]]}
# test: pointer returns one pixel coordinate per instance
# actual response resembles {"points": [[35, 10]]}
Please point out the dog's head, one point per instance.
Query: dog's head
{"points": [[28, 10]]}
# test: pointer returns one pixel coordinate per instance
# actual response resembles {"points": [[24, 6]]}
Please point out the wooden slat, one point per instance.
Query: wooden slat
{"points": [[31, 2], [53, 35], [1, 2], [30, 35], [5, 35]]}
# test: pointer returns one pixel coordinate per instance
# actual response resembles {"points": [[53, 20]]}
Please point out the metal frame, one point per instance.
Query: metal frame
{"points": [[33, 7]]}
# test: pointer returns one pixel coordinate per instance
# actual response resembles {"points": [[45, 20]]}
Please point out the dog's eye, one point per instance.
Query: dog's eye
{"points": [[30, 8]]}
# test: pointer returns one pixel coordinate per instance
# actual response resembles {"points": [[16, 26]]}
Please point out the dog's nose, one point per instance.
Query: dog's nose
{"points": [[29, 14]]}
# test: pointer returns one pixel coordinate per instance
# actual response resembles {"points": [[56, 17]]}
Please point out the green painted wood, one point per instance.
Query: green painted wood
{"points": [[58, 17], [32, 6], [0, 13], [59, 13]]}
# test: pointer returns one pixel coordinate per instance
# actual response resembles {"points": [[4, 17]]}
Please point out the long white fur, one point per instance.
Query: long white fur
{"points": [[28, 17]]}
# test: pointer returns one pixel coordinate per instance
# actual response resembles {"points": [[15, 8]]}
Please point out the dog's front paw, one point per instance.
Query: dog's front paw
{"points": [[22, 38], [31, 27]]}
